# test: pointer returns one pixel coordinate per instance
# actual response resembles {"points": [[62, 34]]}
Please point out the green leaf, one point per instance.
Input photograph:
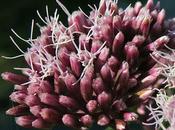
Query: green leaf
{"points": [[109, 128]]}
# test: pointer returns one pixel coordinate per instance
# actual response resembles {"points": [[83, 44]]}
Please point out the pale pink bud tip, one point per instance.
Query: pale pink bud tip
{"points": [[86, 120], [120, 125], [103, 120], [104, 99], [69, 120], [130, 116], [35, 110], [91, 106], [25, 121], [50, 115], [40, 124]]}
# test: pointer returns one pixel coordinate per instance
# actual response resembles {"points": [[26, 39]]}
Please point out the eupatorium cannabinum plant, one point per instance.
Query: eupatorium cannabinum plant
{"points": [[102, 68]]}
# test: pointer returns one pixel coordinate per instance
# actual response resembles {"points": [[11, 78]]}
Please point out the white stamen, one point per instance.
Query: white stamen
{"points": [[11, 58], [16, 45], [41, 17], [27, 41], [32, 26], [91, 7], [63, 8], [31, 64], [84, 13], [160, 113], [38, 25], [47, 14]]}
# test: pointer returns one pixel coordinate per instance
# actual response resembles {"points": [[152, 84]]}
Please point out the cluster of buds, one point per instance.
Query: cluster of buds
{"points": [[101, 69]]}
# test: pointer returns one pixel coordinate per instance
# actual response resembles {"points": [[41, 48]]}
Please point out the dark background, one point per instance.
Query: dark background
{"points": [[18, 14]]}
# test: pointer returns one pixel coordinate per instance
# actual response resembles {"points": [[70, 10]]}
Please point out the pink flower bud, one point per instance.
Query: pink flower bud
{"points": [[132, 54], [97, 33], [84, 42], [63, 56], [40, 124], [154, 14], [35, 110], [130, 116], [137, 7], [20, 87], [59, 85], [104, 100], [98, 85], [117, 43], [14, 78], [119, 105], [141, 110], [25, 121], [86, 88], [124, 76], [157, 6], [68, 102], [102, 7], [69, 120], [132, 82], [50, 115], [18, 97], [149, 4], [147, 81], [96, 44], [137, 22], [145, 26], [46, 41], [32, 58], [92, 106], [117, 22], [32, 100], [78, 20], [17, 110], [90, 72], [106, 31], [120, 124], [46, 30], [103, 56], [161, 17], [103, 120], [71, 85], [86, 120], [159, 43], [113, 63], [37, 88], [114, 8], [106, 73], [138, 40], [49, 99], [75, 65]]}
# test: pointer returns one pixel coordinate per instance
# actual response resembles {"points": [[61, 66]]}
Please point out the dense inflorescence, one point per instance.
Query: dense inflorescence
{"points": [[101, 69]]}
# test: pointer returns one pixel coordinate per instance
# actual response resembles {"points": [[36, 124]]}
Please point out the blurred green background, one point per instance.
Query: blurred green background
{"points": [[17, 14]]}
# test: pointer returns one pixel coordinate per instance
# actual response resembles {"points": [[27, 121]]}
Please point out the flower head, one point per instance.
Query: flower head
{"points": [[98, 69]]}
